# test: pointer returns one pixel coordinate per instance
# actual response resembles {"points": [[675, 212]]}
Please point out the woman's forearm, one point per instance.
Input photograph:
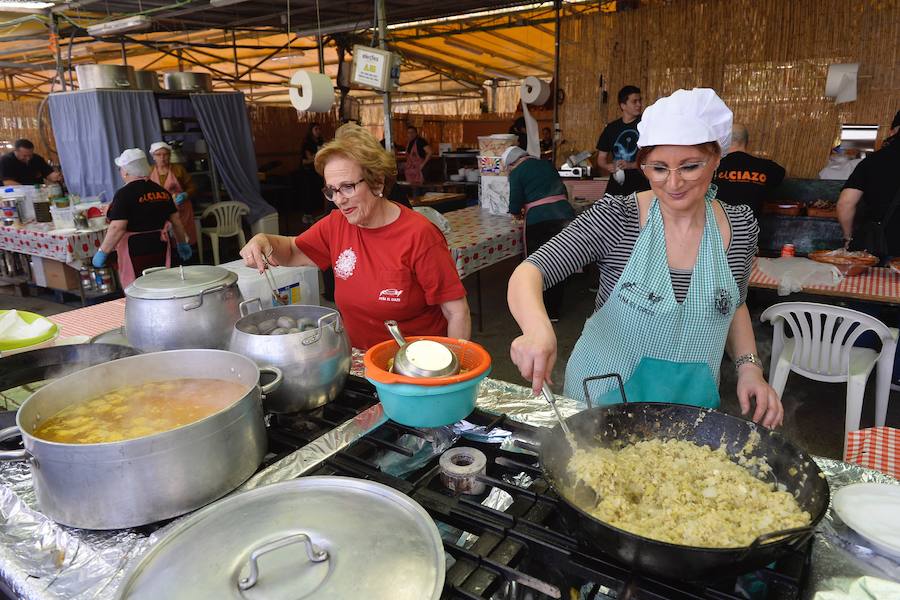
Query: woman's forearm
{"points": [[740, 339], [525, 298], [459, 321]]}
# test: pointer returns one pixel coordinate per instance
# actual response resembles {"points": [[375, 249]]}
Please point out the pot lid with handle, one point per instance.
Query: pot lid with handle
{"points": [[313, 537], [180, 282]]}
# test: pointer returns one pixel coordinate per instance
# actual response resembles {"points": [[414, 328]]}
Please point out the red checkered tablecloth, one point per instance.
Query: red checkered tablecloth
{"points": [[64, 247], [874, 285], [875, 448], [91, 320], [479, 239]]}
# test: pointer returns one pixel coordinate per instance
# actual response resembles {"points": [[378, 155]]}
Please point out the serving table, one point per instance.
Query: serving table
{"points": [[877, 284]]}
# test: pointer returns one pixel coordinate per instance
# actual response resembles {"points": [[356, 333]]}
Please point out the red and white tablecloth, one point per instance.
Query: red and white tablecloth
{"points": [[479, 239], [874, 285], [91, 320], [65, 247], [875, 448]]}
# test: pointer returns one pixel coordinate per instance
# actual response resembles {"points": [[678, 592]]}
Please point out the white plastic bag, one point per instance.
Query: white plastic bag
{"points": [[792, 273], [435, 217]]}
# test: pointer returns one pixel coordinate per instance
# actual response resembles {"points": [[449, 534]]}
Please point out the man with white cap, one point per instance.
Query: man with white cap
{"points": [[138, 218], [674, 270], [177, 181], [537, 194]]}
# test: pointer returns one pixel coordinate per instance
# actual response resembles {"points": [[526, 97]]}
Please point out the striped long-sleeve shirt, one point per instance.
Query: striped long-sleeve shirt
{"points": [[606, 234]]}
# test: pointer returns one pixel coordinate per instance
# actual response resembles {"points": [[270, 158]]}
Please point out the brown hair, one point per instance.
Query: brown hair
{"points": [[711, 148], [356, 143]]}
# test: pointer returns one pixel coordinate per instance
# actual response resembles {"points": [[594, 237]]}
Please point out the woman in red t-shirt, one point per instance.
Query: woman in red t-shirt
{"points": [[389, 261]]}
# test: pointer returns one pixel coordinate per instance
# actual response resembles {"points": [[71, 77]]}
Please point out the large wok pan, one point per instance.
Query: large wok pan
{"points": [[631, 422]]}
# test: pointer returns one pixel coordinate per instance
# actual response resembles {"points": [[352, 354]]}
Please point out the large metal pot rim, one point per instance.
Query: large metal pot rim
{"points": [[176, 432], [323, 321]]}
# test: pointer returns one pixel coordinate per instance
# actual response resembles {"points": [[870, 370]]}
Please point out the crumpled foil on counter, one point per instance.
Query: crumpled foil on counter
{"points": [[42, 559]]}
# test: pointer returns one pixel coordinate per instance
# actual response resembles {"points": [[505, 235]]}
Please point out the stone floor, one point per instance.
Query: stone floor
{"points": [[814, 411]]}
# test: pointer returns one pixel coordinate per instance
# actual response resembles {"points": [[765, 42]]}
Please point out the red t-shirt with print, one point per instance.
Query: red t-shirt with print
{"points": [[402, 271]]}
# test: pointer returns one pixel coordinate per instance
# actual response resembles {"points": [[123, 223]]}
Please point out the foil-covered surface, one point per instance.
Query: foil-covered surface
{"points": [[40, 559]]}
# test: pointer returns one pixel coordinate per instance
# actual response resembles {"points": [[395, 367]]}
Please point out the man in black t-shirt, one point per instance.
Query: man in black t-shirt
{"points": [[23, 167], [869, 205], [140, 206], [617, 145], [743, 178]]}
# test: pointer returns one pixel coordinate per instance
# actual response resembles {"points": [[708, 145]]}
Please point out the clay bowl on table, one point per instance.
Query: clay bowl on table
{"points": [[895, 265], [848, 264]]}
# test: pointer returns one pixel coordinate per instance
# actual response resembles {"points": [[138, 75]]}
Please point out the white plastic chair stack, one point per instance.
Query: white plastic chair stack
{"points": [[228, 224], [821, 348]]}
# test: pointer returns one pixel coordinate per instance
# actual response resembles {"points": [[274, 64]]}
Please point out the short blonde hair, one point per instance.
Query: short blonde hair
{"points": [[357, 144]]}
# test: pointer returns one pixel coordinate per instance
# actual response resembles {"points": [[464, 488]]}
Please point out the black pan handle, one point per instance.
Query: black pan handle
{"points": [[797, 535], [587, 395]]}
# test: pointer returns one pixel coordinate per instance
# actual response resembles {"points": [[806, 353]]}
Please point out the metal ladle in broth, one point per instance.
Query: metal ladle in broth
{"points": [[422, 358]]}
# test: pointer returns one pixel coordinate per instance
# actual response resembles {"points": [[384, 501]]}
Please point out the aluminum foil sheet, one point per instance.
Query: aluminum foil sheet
{"points": [[40, 559]]}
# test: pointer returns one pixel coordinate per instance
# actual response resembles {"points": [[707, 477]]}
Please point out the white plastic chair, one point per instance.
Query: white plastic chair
{"points": [[228, 224], [821, 348]]}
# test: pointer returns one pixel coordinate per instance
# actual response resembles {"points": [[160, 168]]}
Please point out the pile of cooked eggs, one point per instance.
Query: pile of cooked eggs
{"points": [[280, 326]]}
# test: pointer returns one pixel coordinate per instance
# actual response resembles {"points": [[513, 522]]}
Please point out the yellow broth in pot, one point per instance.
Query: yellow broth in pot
{"points": [[139, 410]]}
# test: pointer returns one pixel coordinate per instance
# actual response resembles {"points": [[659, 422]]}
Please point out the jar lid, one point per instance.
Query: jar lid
{"points": [[179, 282], [314, 537]]}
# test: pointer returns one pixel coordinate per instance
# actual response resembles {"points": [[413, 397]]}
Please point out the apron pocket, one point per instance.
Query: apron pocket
{"points": [[657, 380]]}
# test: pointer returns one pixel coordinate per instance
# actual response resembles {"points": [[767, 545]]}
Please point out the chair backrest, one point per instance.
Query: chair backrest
{"points": [[823, 334], [228, 216]]}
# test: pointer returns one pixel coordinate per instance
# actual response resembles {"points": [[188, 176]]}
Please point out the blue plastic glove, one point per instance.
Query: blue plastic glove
{"points": [[184, 251], [180, 197], [99, 259]]}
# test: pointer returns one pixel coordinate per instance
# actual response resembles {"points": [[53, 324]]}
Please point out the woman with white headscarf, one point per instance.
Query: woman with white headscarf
{"points": [[177, 181], [674, 270]]}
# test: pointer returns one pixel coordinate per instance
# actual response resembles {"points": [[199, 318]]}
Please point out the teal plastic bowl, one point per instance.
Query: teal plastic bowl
{"points": [[428, 406]]}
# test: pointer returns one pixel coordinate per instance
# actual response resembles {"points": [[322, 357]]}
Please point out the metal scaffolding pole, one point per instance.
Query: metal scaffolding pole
{"points": [[382, 43], [557, 4]]}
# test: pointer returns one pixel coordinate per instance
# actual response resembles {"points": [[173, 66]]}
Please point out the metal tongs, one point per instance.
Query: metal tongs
{"points": [[279, 299], [551, 400]]}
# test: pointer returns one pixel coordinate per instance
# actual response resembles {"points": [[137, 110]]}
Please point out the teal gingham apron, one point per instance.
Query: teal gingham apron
{"points": [[665, 351]]}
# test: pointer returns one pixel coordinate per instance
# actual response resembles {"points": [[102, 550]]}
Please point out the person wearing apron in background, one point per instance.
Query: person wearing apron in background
{"points": [[138, 216], [538, 195], [674, 265], [178, 182], [418, 153]]}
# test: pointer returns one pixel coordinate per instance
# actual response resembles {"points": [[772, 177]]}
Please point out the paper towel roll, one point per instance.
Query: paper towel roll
{"points": [[311, 92], [535, 91]]}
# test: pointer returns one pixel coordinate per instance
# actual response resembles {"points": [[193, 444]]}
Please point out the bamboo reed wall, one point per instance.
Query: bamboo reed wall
{"points": [[767, 59], [19, 119]]}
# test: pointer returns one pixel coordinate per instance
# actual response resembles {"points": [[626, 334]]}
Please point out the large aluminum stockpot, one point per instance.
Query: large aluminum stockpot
{"points": [[147, 80], [184, 307], [116, 77], [188, 81], [134, 482], [315, 362]]}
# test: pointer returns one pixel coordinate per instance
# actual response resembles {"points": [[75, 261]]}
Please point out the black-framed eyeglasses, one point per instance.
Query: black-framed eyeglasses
{"points": [[688, 172], [346, 189]]}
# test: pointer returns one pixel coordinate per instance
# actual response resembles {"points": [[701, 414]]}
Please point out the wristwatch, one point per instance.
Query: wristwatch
{"points": [[743, 359]]}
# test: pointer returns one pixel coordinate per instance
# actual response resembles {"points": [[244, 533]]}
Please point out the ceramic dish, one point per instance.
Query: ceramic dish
{"points": [[848, 265], [871, 509]]}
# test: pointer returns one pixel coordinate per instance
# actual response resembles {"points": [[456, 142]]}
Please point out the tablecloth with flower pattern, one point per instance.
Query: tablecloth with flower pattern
{"points": [[66, 246], [479, 239]]}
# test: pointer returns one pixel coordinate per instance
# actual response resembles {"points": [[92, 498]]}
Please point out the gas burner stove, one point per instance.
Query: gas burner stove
{"points": [[522, 552]]}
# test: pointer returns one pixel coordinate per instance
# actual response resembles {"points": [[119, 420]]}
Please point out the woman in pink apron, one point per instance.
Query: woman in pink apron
{"points": [[143, 210], [418, 153], [177, 181]]}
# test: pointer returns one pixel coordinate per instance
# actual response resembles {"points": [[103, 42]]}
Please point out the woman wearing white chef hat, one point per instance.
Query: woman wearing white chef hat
{"points": [[177, 181], [674, 268]]}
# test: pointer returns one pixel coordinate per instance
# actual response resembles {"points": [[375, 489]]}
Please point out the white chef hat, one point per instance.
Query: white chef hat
{"points": [[134, 161], [686, 118], [511, 155], [159, 146]]}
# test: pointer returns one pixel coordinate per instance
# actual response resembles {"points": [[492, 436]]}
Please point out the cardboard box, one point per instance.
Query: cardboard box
{"points": [[60, 276]]}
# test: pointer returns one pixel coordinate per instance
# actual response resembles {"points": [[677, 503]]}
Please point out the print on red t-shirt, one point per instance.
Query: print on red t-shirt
{"points": [[402, 271]]}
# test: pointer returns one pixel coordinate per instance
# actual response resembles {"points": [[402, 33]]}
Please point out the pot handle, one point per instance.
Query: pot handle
{"points": [[276, 383], [321, 323], [12, 455], [587, 394], [315, 554], [795, 536], [244, 306], [199, 301], [153, 270]]}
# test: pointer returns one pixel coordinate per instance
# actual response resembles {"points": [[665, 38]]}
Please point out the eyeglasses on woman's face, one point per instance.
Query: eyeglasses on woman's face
{"points": [[346, 189], [658, 173]]}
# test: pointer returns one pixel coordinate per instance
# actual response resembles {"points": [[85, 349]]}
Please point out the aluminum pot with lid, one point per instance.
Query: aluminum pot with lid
{"points": [[188, 81], [184, 307], [315, 358], [147, 80], [313, 537], [137, 481], [116, 77]]}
